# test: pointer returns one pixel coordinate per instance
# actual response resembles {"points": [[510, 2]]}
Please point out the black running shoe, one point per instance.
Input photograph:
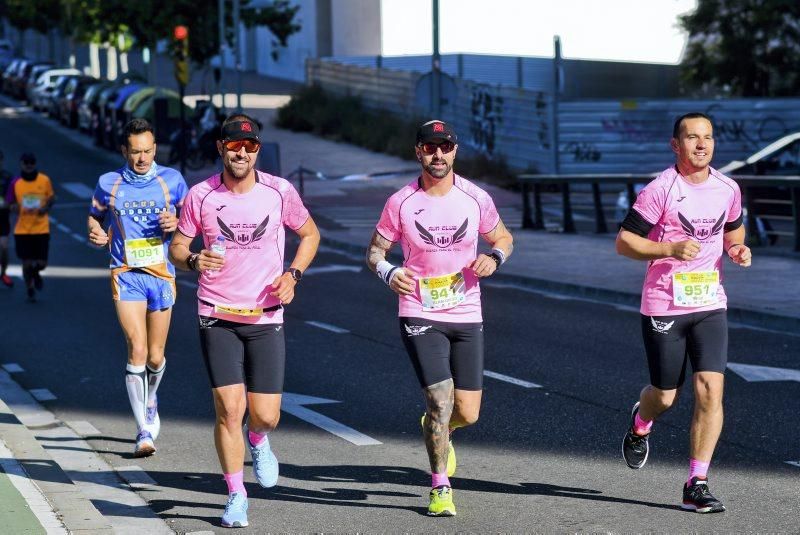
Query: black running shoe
{"points": [[37, 280], [31, 295], [635, 447], [697, 497]]}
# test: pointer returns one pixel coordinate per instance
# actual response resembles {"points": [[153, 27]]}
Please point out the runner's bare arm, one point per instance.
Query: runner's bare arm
{"points": [[401, 280], [179, 254], [309, 243], [97, 235], [738, 252], [640, 248], [501, 240]]}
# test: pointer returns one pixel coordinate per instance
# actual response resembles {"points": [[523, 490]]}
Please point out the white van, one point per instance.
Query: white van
{"points": [[39, 93]]}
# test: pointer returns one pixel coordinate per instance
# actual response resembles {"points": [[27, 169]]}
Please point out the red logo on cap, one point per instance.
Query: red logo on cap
{"points": [[438, 127], [246, 127]]}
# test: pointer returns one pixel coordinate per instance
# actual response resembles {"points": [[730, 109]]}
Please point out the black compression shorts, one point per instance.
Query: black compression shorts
{"points": [[242, 353], [700, 338], [32, 246], [441, 351]]}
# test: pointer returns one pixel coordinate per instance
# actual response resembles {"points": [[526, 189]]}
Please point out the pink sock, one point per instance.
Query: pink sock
{"points": [[255, 438], [235, 482], [697, 468], [440, 480], [641, 427]]}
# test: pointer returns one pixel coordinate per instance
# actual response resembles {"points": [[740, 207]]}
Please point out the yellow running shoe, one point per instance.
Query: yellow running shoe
{"points": [[451, 452], [442, 502]]}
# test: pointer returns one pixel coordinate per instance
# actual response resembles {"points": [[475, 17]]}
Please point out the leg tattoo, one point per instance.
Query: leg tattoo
{"points": [[439, 400]]}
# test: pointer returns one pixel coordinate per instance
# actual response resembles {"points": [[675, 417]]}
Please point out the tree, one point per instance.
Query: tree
{"points": [[748, 48]]}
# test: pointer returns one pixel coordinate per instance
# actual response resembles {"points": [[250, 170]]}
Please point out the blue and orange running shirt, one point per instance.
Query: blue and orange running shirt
{"points": [[136, 240]]}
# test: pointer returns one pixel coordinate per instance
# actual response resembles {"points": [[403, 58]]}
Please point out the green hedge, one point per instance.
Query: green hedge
{"points": [[346, 119]]}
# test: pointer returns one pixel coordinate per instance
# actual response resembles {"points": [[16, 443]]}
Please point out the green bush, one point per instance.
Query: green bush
{"points": [[346, 119]]}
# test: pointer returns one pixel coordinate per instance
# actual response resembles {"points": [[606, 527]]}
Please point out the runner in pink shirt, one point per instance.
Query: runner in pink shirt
{"points": [[241, 215], [682, 223], [438, 219]]}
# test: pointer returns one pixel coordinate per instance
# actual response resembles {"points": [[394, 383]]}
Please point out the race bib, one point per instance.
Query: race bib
{"points": [[239, 311], [440, 293], [31, 202], [695, 288], [143, 252]]}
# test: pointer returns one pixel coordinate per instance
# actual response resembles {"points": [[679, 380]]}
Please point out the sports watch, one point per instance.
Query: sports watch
{"points": [[295, 273]]}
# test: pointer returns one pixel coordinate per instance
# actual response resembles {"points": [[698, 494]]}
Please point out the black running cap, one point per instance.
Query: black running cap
{"points": [[436, 130], [27, 157], [237, 130]]}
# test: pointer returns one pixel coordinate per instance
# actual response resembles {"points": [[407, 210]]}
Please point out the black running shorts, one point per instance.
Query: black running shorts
{"points": [[441, 351], [32, 246], [242, 353], [5, 222], [670, 341]]}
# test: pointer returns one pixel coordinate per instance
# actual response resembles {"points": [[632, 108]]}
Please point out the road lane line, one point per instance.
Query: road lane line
{"points": [[38, 504], [328, 327], [84, 428], [293, 404], [81, 191], [13, 367], [509, 379], [794, 463], [42, 394]]}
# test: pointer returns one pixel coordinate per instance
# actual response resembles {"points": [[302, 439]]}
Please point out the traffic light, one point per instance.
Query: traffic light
{"points": [[180, 53]]}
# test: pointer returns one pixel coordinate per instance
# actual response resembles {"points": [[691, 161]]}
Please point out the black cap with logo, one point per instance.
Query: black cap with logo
{"points": [[436, 130], [236, 130]]}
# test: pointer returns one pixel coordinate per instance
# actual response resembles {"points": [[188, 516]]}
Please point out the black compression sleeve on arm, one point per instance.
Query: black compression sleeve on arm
{"points": [[733, 225], [634, 222]]}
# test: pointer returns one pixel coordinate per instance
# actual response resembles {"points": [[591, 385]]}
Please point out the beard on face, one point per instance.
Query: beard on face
{"points": [[238, 173], [438, 173]]}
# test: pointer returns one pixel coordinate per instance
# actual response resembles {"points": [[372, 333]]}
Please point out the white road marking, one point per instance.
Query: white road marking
{"points": [[328, 327], [81, 191], [38, 504], [42, 394], [135, 476], [63, 228], [794, 463], [124, 509], [83, 428], [79, 237], [13, 367], [754, 374], [509, 379], [293, 404]]}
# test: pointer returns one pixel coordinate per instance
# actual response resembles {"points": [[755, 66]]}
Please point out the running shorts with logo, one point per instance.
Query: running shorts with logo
{"points": [[439, 237], [138, 247], [671, 209], [699, 338], [235, 302], [440, 350]]}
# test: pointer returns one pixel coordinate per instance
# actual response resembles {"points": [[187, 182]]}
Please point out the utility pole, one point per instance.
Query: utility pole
{"points": [[556, 92], [221, 81], [237, 54], [436, 66]]}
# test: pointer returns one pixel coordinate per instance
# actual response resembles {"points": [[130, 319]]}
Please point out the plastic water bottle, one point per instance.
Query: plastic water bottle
{"points": [[219, 245]]}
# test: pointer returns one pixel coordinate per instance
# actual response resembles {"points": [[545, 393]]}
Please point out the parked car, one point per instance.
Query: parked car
{"points": [[6, 53], [88, 105], [73, 94], [20, 81], [36, 71], [39, 94], [57, 93], [10, 73]]}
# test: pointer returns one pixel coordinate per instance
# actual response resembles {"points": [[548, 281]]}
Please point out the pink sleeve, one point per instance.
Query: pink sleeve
{"points": [[189, 223], [489, 216], [735, 210], [389, 223], [650, 203], [295, 213]]}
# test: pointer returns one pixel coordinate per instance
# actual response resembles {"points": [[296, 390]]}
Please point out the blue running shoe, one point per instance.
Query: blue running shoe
{"points": [[144, 444], [235, 515], [152, 422], [265, 465]]}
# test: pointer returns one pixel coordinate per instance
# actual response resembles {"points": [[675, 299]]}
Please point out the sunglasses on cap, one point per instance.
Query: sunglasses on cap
{"points": [[430, 148], [250, 145]]}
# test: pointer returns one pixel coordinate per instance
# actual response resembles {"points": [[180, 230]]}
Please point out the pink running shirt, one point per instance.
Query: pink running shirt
{"points": [[680, 211], [439, 236], [253, 226]]}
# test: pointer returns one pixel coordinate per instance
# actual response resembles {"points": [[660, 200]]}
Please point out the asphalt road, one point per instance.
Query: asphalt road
{"points": [[540, 459]]}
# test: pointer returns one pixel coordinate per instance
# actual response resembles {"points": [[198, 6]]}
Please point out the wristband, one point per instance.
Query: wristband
{"points": [[501, 254], [496, 257], [385, 271], [191, 261]]}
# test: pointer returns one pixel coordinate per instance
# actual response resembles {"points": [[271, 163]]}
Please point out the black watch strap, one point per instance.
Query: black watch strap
{"points": [[496, 257], [191, 261], [295, 273]]}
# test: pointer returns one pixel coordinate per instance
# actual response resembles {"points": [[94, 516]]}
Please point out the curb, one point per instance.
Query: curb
{"points": [[750, 318], [75, 511]]}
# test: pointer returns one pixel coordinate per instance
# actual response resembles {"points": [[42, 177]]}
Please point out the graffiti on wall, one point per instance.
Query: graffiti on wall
{"points": [[583, 152], [752, 133], [487, 115], [542, 128]]}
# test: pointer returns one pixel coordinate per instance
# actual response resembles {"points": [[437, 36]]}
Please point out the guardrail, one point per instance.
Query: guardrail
{"points": [[533, 218]]}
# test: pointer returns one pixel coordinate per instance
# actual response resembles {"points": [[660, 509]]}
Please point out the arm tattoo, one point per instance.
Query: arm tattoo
{"points": [[439, 399], [377, 250]]}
